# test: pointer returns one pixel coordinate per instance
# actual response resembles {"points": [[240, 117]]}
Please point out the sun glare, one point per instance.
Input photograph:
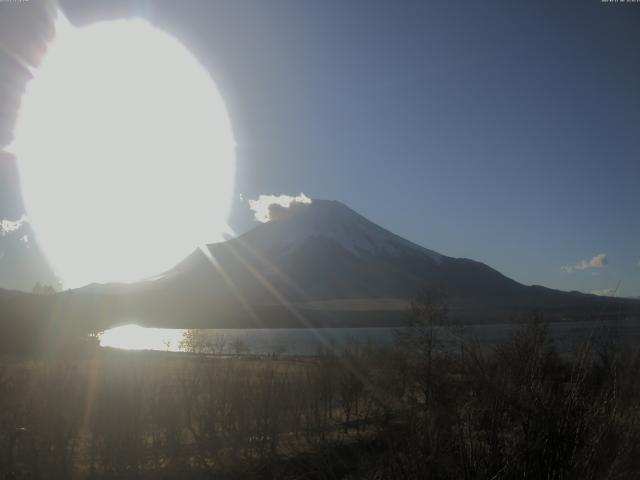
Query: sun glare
{"points": [[125, 150], [135, 337]]}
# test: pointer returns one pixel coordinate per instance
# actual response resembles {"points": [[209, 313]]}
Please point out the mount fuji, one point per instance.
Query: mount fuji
{"points": [[323, 252], [323, 264]]}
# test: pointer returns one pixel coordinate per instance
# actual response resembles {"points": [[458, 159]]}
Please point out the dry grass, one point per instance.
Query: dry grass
{"points": [[518, 411]]}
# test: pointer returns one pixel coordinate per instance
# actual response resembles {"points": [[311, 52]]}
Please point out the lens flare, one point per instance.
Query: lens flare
{"points": [[125, 150]]}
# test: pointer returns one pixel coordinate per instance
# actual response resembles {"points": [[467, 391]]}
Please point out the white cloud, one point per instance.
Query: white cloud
{"points": [[9, 226], [263, 210], [598, 261]]}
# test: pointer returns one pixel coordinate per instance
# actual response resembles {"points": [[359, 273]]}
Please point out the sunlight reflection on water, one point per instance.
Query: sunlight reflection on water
{"points": [[303, 341], [296, 341], [135, 337]]}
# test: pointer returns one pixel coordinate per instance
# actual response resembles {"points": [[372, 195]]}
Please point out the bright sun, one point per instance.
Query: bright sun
{"points": [[126, 153]]}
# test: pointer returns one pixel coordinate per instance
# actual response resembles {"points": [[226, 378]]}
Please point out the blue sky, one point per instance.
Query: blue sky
{"points": [[508, 132], [503, 131]]}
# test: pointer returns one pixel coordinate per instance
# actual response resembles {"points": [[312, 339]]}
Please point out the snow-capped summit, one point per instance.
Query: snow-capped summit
{"points": [[290, 228]]}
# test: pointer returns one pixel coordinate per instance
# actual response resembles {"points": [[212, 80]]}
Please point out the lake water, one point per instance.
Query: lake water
{"points": [[301, 341]]}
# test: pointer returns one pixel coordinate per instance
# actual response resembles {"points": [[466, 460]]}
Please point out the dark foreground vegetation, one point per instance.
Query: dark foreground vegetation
{"points": [[414, 411]]}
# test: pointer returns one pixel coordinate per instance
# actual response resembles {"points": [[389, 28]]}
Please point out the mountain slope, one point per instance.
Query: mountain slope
{"points": [[324, 251]]}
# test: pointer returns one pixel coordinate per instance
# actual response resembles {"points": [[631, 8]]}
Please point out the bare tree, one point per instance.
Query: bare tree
{"points": [[240, 346], [219, 343], [196, 341], [418, 339]]}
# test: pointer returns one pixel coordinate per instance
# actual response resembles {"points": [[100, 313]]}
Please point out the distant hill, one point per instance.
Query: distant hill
{"points": [[320, 264]]}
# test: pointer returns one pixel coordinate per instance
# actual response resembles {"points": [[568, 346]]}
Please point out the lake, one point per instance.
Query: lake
{"points": [[301, 341]]}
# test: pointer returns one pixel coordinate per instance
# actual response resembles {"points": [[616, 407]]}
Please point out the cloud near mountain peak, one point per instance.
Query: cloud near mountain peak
{"points": [[598, 261], [267, 207], [11, 226]]}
